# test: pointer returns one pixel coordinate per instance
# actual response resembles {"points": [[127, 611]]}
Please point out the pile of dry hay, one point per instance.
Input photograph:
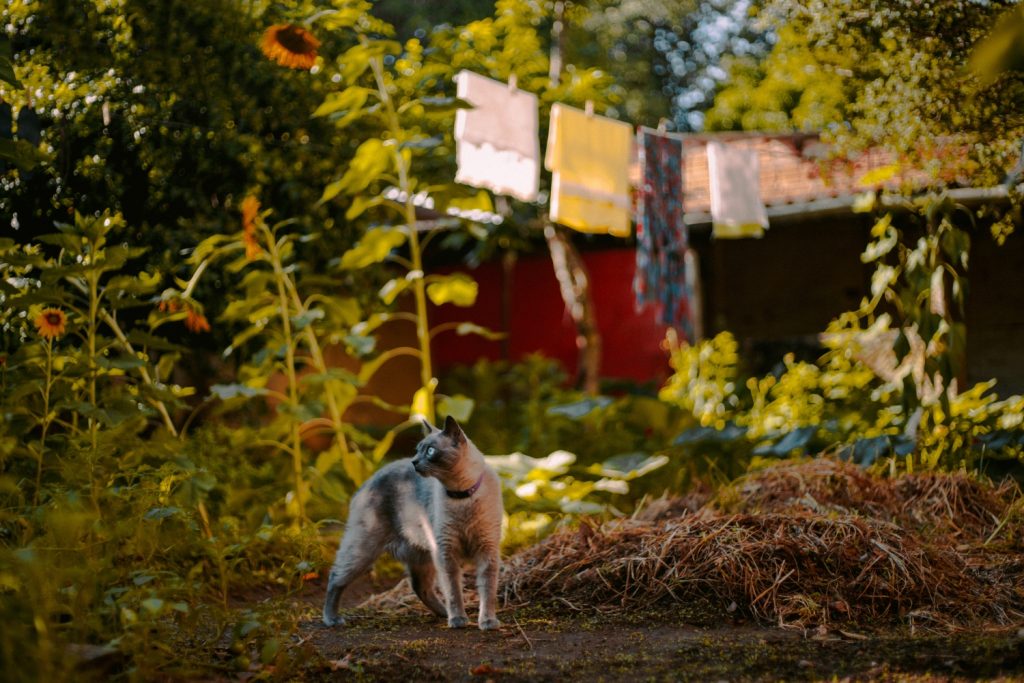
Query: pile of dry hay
{"points": [[820, 542]]}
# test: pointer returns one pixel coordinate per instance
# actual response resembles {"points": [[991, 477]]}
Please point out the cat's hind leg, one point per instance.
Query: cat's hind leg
{"points": [[423, 576], [363, 542]]}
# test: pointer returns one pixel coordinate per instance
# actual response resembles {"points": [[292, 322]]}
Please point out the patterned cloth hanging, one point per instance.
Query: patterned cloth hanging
{"points": [[662, 238]]}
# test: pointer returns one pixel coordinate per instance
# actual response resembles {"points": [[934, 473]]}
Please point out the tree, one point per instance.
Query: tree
{"points": [[880, 73], [163, 111], [664, 57], [797, 86]]}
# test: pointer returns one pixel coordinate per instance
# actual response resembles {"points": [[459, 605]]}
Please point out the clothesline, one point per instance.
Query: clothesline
{"points": [[590, 159], [589, 156]]}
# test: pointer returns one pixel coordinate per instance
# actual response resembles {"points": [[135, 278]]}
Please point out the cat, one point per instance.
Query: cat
{"points": [[431, 512]]}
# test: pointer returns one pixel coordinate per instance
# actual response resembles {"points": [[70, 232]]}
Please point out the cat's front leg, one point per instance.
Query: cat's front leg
{"points": [[487, 565], [451, 586]]}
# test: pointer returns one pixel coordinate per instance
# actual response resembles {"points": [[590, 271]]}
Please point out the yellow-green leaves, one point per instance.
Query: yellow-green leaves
{"points": [[344, 107], [357, 59], [375, 246], [878, 176], [1001, 50], [7, 63], [390, 291], [371, 161], [885, 240], [457, 289]]}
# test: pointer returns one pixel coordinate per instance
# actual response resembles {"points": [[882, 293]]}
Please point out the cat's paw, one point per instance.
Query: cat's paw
{"points": [[336, 620], [491, 624], [458, 622]]}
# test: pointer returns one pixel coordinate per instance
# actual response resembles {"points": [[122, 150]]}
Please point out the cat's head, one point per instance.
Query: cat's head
{"points": [[442, 451]]}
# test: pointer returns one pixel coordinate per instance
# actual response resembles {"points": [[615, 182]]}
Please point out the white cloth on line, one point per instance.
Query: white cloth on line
{"points": [[734, 174], [496, 142]]}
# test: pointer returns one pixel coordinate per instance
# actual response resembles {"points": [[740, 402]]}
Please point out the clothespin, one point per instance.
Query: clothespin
{"points": [[512, 81], [662, 125], [589, 107]]}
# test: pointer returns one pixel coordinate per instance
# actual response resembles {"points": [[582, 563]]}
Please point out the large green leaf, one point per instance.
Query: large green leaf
{"points": [[629, 465], [371, 161], [344, 107], [374, 247], [472, 328], [458, 406], [7, 62], [458, 289], [22, 154], [392, 288]]}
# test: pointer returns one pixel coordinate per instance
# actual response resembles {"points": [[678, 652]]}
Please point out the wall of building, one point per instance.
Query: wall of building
{"points": [[995, 313]]}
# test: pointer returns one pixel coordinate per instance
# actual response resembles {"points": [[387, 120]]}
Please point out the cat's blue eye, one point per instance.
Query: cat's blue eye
{"points": [[431, 451]]}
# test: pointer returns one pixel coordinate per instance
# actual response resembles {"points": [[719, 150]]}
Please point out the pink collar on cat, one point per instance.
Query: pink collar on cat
{"points": [[468, 492]]}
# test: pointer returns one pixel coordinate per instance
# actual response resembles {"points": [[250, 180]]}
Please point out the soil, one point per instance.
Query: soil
{"points": [[555, 642]]}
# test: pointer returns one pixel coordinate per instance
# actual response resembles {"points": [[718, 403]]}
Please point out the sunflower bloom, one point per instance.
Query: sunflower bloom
{"points": [[50, 323], [250, 209], [197, 322], [290, 45]]}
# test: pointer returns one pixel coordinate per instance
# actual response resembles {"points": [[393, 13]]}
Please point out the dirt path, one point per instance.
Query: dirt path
{"points": [[551, 643]]}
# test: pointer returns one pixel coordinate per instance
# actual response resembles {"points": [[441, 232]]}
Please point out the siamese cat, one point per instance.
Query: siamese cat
{"points": [[432, 512]]}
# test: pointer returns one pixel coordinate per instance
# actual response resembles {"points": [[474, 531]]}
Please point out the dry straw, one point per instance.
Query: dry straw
{"points": [[799, 545]]}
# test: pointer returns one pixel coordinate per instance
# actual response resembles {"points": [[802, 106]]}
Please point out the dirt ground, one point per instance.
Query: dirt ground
{"points": [[554, 643]]}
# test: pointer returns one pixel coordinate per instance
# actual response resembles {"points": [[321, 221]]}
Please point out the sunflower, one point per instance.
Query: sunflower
{"points": [[197, 322], [250, 209], [290, 45], [50, 323]]}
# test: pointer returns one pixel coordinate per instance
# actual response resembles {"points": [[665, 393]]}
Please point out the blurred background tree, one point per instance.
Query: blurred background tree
{"points": [[881, 73], [165, 112]]}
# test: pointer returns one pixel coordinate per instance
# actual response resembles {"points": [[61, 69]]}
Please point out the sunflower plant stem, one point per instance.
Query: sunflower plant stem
{"points": [[318, 361], [293, 388], [46, 420], [122, 338], [419, 286], [93, 324]]}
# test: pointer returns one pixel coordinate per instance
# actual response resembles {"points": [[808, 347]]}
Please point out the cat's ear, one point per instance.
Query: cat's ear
{"points": [[428, 428], [452, 430]]}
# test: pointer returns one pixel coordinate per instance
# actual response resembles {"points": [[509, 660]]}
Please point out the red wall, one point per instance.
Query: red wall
{"points": [[539, 323]]}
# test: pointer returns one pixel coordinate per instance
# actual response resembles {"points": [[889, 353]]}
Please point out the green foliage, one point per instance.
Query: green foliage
{"points": [[890, 74], [838, 403], [120, 541], [618, 445], [799, 85]]}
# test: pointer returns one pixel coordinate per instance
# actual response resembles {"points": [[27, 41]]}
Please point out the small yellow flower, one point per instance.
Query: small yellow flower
{"points": [[290, 45], [50, 323], [250, 210], [197, 322]]}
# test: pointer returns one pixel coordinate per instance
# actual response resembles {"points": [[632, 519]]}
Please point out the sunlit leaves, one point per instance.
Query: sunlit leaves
{"points": [[879, 176], [390, 291], [1002, 50], [885, 240], [629, 466], [458, 289], [371, 160], [458, 406], [342, 108], [374, 247], [6, 63]]}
